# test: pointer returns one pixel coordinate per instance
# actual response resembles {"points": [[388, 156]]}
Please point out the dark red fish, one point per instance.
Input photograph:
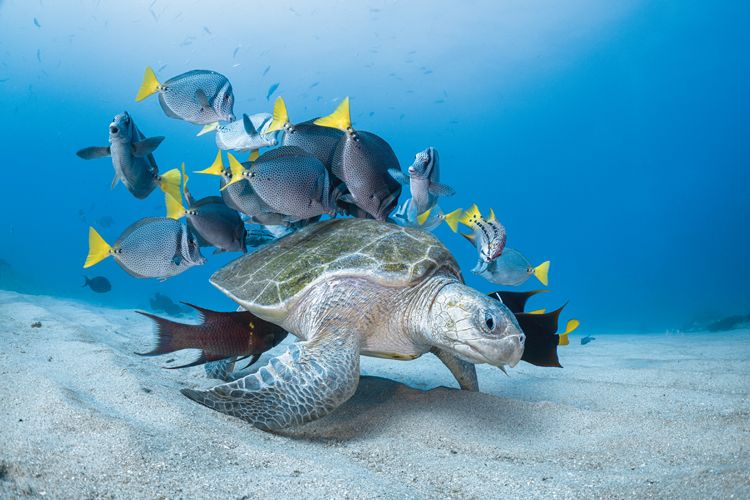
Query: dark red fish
{"points": [[220, 335]]}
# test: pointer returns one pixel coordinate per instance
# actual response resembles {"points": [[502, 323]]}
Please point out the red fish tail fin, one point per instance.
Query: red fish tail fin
{"points": [[171, 336]]}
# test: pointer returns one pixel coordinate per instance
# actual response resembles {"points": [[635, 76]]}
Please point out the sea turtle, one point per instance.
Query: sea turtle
{"points": [[347, 287]]}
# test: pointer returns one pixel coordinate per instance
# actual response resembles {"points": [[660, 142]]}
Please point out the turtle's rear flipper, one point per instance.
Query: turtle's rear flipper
{"points": [[221, 369], [305, 383]]}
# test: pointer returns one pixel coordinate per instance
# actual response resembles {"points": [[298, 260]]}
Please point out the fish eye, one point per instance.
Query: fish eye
{"points": [[489, 320]]}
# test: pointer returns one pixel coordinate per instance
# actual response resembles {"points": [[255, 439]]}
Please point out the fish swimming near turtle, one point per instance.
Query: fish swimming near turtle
{"points": [[243, 135], [423, 180], [362, 160], [220, 336], [351, 287], [512, 268], [488, 235], [153, 247], [133, 159], [198, 96], [407, 214]]}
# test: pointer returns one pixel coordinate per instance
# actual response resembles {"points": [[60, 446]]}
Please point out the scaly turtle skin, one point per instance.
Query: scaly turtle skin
{"points": [[351, 287]]}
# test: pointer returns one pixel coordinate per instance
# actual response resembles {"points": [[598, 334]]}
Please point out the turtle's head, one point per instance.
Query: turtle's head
{"points": [[474, 327]]}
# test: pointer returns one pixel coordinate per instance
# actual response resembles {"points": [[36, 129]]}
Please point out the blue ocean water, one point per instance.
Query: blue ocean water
{"points": [[609, 137]]}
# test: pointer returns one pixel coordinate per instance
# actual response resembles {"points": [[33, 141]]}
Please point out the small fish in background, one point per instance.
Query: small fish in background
{"points": [[243, 135], [588, 338], [153, 247], [265, 72], [319, 141], [220, 335], [36, 23], [271, 90], [488, 236], [163, 303], [289, 180], [98, 284], [212, 220], [198, 96], [512, 269], [105, 221], [132, 159], [39, 55], [423, 180], [407, 215], [362, 160]]}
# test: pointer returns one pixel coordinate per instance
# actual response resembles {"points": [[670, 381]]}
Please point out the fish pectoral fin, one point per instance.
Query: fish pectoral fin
{"points": [[202, 99], [441, 189], [249, 128], [202, 359], [397, 174], [115, 180], [146, 146], [209, 127], [94, 152]]}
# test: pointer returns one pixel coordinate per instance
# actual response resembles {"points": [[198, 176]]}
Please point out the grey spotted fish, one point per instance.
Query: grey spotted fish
{"points": [[240, 195], [243, 135], [361, 160], [512, 268], [488, 235], [291, 181], [319, 141], [212, 220], [198, 96], [153, 247], [423, 180], [133, 160], [407, 215]]}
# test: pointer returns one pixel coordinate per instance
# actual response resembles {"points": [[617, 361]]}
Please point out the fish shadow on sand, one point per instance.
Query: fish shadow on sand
{"points": [[383, 406]]}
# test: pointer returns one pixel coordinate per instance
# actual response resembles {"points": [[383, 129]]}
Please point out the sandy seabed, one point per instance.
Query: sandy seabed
{"points": [[629, 416]]}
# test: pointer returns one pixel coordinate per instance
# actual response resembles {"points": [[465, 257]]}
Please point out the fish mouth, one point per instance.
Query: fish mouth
{"points": [[411, 170]]}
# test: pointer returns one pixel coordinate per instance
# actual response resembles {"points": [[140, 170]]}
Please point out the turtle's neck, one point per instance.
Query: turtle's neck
{"points": [[415, 320]]}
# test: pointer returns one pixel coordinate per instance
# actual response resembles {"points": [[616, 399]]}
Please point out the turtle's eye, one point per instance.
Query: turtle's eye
{"points": [[489, 320]]}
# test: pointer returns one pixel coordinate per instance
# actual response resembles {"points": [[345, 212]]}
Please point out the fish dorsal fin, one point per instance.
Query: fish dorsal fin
{"points": [[205, 314], [471, 216], [541, 272], [422, 218], [452, 219], [340, 119], [175, 210], [150, 85], [249, 127], [98, 249], [279, 118], [209, 127], [216, 168], [469, 237], [202, 99], [254, 155]]}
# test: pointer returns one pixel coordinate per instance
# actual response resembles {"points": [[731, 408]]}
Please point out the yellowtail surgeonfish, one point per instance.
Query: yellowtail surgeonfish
{"points": [[154, 247], [423, 180], [488, 235], [133, 160], [362, 160], [243, 135], [512, 269], [406, 215], [289, 180], [198, 96], [217, 224]]}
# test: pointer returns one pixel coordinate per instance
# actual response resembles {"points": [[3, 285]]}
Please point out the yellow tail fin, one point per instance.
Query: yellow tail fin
{"points": [[216, 168], [149, 86], [169, 182], [541, 271], [254, 155], [280, 116], [237, 170], [452, 219], [175, 210], [98, 249], [340, 119], [422, 218], [538, 311], [563, 337], [208, 128], [469, 217]]}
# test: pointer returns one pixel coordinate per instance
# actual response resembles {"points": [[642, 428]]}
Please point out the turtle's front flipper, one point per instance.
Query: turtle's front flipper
{"points": [[305, 383], [465, 372], [221, 369]]}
